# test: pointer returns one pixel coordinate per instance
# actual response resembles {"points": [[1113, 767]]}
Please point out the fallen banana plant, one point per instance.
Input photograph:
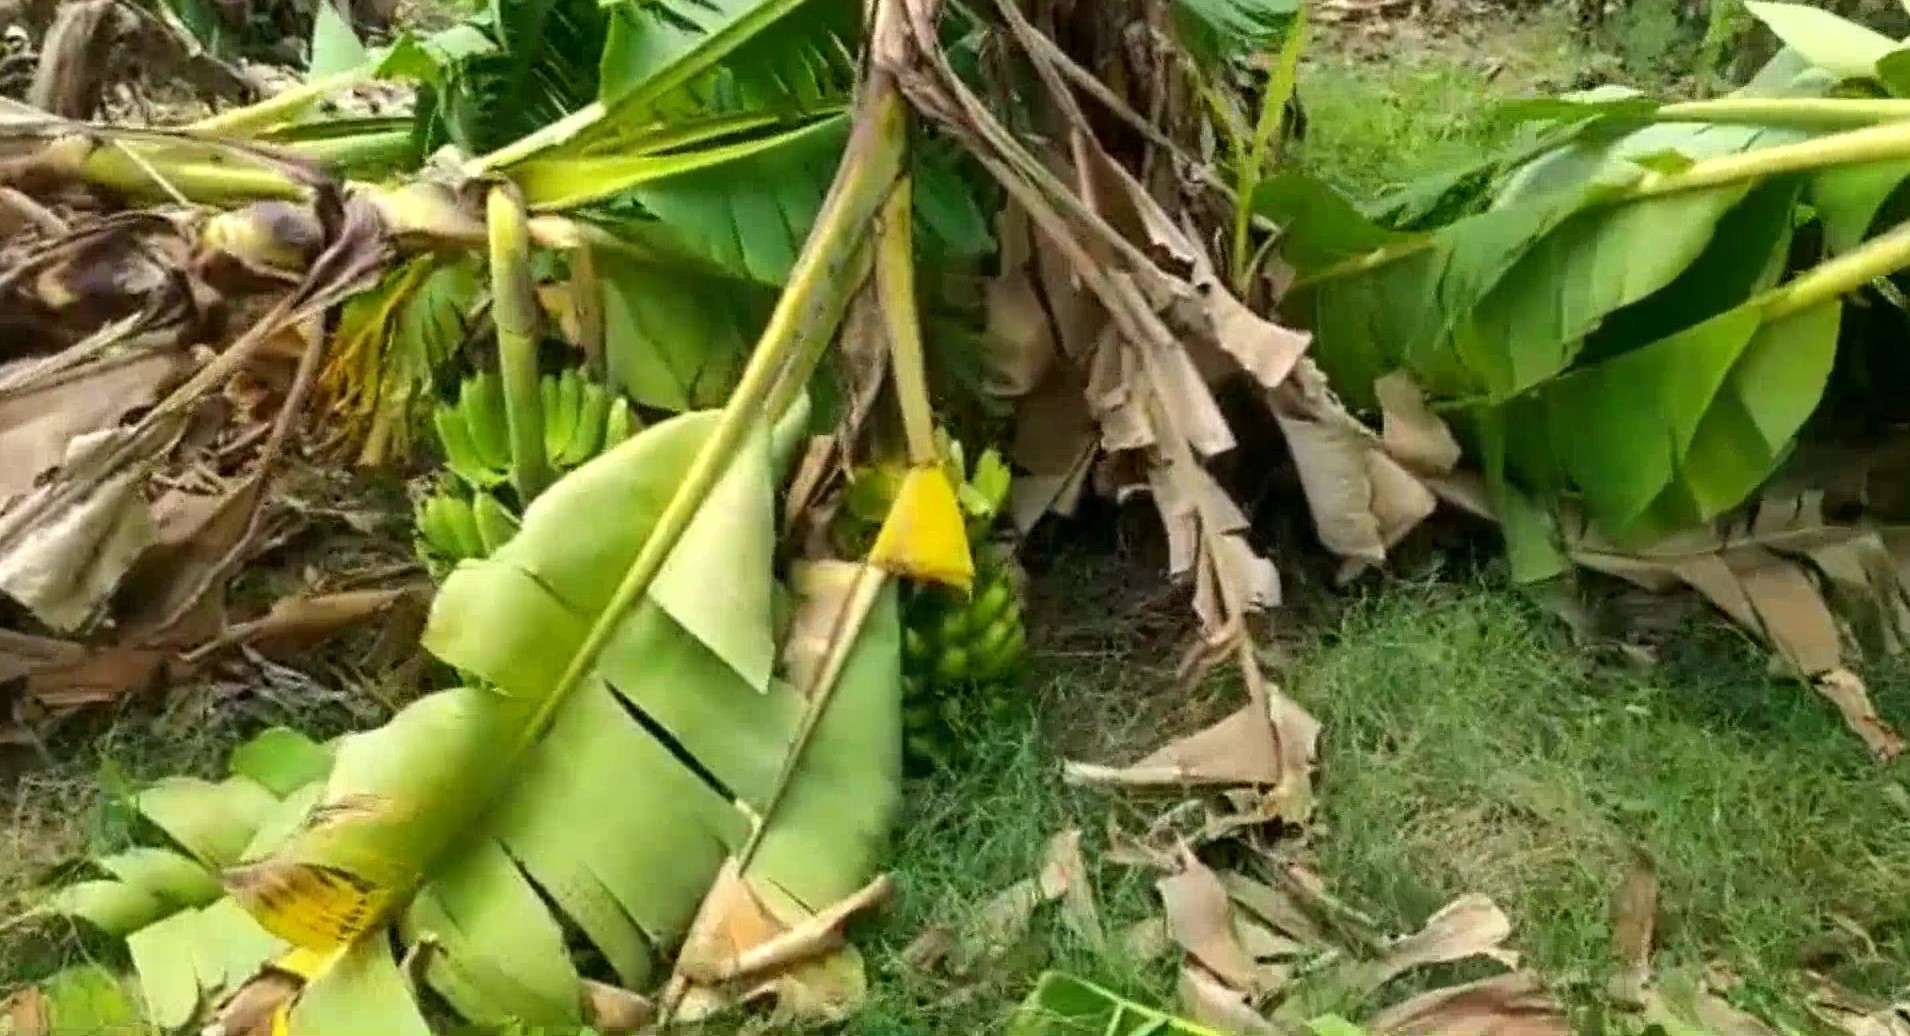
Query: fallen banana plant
{"points": [[763, 792], [1617, 408]]}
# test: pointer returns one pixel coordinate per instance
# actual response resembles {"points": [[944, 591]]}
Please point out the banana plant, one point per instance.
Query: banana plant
{"points": [[1623, 325], [646, 755]]}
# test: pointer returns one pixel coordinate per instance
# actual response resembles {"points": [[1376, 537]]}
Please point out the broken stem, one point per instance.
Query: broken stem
{"points": [[1797, 112], [1878, 143]]}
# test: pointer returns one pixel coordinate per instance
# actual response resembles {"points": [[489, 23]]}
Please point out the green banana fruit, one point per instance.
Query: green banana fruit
{"points": [[495, 525], [460, 451], [570, 401], [455, 516], [562, 401], [434, 529], [960, 655], [593, 410], [482, 402], [621, 424]]}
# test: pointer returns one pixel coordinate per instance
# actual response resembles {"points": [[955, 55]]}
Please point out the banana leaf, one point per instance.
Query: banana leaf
{"points": [[188, 941], [487, 828], [1063, 1005], [1214, 31], [1603, 332]]}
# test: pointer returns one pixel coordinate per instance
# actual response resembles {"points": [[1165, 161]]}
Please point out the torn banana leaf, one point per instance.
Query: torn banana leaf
{"points": [[480, 842], [190, 943]]}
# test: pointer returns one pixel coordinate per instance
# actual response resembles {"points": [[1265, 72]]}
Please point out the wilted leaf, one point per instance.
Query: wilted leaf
{"points": [[1275, 906], [199, 538], [1410, 432], [1846, 691], [1236, 750], [1200, 919], [739, 950], [297, 623], [1361, 499], [1508, 1005], [62, 560], [1210, 1001], [1020, 339], [1685, 1003], [1003, 922], [1857, 1015], [1470, 926], [614, 1010], [38, 421], [1757, 574]]}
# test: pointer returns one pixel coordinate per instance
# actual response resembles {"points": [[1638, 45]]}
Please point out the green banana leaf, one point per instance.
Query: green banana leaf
{"points": [[664, 57], [676, 337], [1214, 31], [1496, 303], [187, 940], [86, 998], [1588, 340], [1683, 429], [1825, 40], [1063, 1005], [466, 825]]}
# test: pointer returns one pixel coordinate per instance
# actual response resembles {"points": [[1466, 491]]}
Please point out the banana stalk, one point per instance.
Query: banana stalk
{"points": [[924, 536], [279, 108], [1880, 256], [869, 168], [515, 311], [1882, 142]]}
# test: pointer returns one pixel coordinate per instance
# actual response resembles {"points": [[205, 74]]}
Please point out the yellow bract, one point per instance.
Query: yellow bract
{"points": [[924, 537]]}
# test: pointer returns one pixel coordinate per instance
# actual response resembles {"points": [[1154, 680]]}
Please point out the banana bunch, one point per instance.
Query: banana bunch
{"points": [[453, 527], [961, 659], [961, 656], [466, 516], [581, 419]]}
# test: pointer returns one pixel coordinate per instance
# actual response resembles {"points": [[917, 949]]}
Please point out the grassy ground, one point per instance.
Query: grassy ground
{"points": [[1390, 102], [1469, 746]]}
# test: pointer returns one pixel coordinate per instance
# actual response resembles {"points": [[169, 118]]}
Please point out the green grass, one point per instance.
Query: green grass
{"points": [[969, 834], [1469, 746], [1382, 113]]}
